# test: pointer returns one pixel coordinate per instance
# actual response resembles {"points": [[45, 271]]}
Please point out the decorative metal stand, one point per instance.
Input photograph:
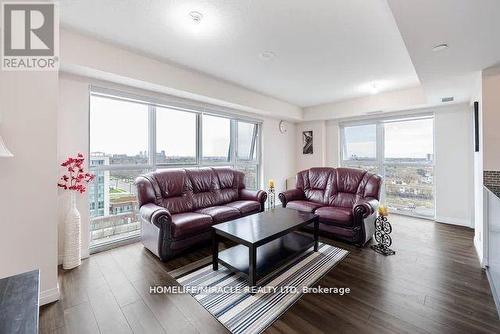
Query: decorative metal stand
{"points": [[271, 198], [382, 230]]}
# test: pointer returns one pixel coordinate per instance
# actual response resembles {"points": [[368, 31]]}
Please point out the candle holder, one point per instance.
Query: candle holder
{"points": [[382, 230], [271, 197]]}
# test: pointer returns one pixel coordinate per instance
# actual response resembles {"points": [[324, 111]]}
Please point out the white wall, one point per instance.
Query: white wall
{"points": [[89, 57], [326, 144], [278, 156], [332, 144], [491, 117], [318, 158], [405, 99], [73, 137], [479, 221], [28, 181], [454, 165]]}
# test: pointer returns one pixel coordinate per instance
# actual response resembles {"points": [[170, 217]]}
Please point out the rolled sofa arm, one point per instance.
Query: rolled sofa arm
{"points": [[291, 195], [155, 214], [365, 213], [366, 206], [254, 195]]}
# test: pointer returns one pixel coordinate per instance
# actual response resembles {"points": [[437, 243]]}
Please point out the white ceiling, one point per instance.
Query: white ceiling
{"points": [[326, 50], [471, 28]]}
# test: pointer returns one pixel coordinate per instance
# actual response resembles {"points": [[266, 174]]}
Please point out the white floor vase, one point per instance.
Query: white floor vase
{"points": [[72, 236]]}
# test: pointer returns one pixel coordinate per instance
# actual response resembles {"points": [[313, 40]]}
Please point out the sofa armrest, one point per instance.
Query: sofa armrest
{"points": [[155, 214], [254, 195], [365, 213], [291, 195], [365, 206]]}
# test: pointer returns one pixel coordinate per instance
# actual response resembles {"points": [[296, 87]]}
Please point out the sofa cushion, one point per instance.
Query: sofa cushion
{"points": [[245, 206], [221, 213], [305, 206], [335, 215], [344, 200], [189, 223], [204, 186], [316, 184], [348, 179], [169, 190], [228, 185]]}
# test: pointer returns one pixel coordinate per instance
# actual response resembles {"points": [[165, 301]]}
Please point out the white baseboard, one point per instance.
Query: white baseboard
{"points": [[85, 254], [49, 296], [454, 221]]}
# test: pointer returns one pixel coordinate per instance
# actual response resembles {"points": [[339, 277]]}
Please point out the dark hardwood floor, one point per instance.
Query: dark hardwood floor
{"points": [[434, 284]]}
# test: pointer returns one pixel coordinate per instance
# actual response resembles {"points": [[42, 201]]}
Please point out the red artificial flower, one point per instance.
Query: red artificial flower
{"points": [[76, 177]]}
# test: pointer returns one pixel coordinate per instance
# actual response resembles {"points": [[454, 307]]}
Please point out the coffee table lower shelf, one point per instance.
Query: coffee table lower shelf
{"points": [[270, 256]]}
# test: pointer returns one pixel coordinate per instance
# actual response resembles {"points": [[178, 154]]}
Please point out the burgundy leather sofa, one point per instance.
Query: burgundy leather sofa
{"points": [[346, 200], [178, 206]]}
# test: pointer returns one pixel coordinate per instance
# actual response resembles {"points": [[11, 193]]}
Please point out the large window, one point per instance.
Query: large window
{"points": [[119, 130], [247, 141], [175, 136], [360, 143], [216, 143], [124, 132], [402, 151]]}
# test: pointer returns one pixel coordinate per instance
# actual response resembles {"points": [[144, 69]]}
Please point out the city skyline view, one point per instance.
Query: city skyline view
{"points": [[409, 139], [127, 123]]}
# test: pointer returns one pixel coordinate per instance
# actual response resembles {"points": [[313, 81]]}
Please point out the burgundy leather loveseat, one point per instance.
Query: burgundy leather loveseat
{"points": [[346, 200], [179, 206]]}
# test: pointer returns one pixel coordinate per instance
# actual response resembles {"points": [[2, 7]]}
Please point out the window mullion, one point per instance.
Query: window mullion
{"points": [[254, 142], [233, 143], [199, 144], [152, 136], [381, 156]]}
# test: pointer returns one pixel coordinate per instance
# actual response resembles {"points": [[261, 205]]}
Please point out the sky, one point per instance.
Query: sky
{"points": [[406, 139], [119, 127]]}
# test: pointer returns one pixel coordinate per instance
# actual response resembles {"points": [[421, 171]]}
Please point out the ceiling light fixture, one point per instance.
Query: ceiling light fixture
{"points": [[196, 16], [440, 47], [374, 88], [267, 55]]}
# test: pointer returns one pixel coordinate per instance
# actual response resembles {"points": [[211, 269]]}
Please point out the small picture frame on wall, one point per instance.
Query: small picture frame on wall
{"points": [[307, 142]]}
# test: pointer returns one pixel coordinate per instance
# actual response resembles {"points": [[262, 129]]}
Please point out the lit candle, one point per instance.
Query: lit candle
{"points": [[382, 210]]}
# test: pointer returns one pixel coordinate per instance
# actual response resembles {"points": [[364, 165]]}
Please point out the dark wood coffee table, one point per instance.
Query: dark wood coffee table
{"points": [[267, 241]]}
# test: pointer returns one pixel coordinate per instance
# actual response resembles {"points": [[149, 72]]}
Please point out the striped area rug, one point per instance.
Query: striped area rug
{"points": [[242, 312]]}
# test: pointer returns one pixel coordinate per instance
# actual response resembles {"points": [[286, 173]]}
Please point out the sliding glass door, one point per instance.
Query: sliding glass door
{"points": [[402, 151], [124, 133]]}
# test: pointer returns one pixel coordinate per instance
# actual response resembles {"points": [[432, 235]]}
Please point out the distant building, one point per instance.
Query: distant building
{"points": [[98, 190], [123, 159], [123, 203]]}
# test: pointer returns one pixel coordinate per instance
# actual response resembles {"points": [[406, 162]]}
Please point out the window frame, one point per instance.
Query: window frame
{"points": [[185, 106], [254, 146], [200, 139], [343, 147], [379, 160], [153, 141]]}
